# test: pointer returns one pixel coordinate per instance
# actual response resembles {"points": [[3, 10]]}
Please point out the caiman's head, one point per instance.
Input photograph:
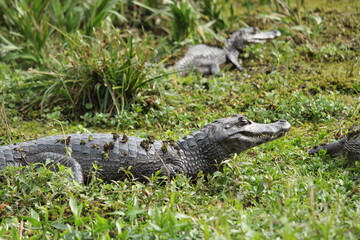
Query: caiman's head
{"points": [[336, 149], [237, 133], [245, 36]]}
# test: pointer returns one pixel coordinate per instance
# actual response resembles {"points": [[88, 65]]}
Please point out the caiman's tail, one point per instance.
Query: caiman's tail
{"points": [[6, 158], [2, 161]]}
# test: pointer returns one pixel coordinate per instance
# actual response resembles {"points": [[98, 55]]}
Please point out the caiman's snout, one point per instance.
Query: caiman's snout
{"points": [[261, 37], [276, 33], [314, 150], [286, 125], [260, 133], [281, 127], [240, 133]]}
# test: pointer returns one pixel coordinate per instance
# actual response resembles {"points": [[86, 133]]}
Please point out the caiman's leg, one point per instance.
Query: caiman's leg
{"points": [[61, 159], [171, 170], [214, 68], [233, 57], [206, 66]]}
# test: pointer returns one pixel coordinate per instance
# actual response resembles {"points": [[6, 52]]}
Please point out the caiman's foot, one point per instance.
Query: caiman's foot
{"points": [[170, 170]]}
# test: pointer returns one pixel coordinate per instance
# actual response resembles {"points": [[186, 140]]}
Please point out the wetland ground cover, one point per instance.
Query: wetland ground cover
{"points": [[99, 66]]}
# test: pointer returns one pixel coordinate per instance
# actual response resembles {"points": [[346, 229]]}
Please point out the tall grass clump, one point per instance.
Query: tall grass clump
{"points": [[293, 16], [187, 22], [185, 19], [213, 11], [182, 21], [24, 29], [81, 15], [26, 24], [101, 74]]}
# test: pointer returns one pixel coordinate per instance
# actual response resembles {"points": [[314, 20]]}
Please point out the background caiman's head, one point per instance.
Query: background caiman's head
{"points": [[237, 133], [239, 39], [336, 149]]}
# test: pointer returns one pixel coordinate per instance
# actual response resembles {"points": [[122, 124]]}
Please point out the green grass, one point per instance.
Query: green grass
{"points": [[107, 75]]}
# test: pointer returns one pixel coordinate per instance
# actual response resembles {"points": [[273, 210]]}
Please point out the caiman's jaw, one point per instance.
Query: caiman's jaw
{"points": [[336, 149], [260, 137], [239, 133]]}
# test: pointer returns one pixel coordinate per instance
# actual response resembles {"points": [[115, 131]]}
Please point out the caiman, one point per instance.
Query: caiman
{"points": [[207, 59], [348, 146], [117, 156]]}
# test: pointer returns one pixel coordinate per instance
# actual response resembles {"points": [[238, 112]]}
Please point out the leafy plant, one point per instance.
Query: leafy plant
{"points": [[299, 108]]}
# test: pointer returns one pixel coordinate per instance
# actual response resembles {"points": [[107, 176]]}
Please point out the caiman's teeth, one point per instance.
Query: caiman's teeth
{"points": [[271, 136], [264, 135], [268, 135]]}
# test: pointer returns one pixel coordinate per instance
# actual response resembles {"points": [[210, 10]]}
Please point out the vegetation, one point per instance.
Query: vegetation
{"points": [[99, 66]]}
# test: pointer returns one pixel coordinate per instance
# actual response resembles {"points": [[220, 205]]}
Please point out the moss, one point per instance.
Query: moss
{"points": [[124, 139], [65, 141], [173, 144], [164, 147], [145, 144], [151, 139], [109, 146], [115, 135], [95, 146]]}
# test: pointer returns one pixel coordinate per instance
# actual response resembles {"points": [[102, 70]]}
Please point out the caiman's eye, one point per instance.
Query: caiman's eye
{"points": [[243, 121]]}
